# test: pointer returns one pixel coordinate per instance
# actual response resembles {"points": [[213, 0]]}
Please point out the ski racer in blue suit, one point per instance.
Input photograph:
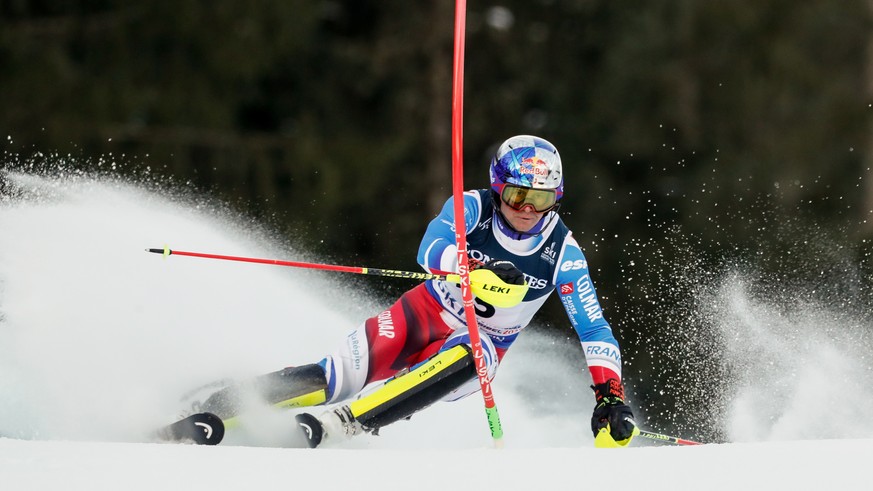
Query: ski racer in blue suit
{"points": [[418, 352]]}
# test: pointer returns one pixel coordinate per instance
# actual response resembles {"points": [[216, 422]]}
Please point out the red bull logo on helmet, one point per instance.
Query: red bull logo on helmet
{"points": [[534, 166]]}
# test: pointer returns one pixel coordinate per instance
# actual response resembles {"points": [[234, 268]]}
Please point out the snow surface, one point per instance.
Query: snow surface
{"points": [[98, 340]]}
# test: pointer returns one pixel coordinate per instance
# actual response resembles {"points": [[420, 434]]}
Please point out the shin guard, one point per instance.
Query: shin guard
{"points": [[425, 384]]}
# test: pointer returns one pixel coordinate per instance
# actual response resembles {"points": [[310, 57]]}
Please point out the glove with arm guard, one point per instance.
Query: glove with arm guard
{"points": [[611, 412], [505, 270]]}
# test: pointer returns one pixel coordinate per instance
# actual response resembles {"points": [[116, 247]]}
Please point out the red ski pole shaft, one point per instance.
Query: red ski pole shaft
{"points": [[415, 275]]}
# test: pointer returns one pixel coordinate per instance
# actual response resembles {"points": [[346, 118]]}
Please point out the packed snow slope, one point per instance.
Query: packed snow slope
{"points": [[100, 339]]}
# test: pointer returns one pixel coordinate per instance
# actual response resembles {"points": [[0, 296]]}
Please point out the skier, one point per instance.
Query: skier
{"points": [[418, 352]]}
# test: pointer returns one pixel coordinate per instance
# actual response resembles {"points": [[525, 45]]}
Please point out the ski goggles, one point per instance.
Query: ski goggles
{"points": [[517, 197]]}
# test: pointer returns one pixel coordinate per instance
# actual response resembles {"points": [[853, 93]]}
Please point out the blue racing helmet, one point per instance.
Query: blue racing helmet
{"points": [[526, 170]]}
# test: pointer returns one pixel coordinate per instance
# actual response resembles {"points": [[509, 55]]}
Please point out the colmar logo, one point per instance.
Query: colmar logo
{"points": [[587, 298], [386, 324], [567, 288]]}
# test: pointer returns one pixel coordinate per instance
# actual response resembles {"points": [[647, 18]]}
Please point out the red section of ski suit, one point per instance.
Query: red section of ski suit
{"points": [[406, 333]]}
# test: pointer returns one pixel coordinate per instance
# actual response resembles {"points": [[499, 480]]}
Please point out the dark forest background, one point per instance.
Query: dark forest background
{"points": [[696, 136]]}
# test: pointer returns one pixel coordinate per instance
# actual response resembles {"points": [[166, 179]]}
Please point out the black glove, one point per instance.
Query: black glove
{"points": [[612, 410], [505, 270]]}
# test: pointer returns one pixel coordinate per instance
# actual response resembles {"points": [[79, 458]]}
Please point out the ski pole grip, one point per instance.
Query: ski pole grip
{"points": [[165, 251]]}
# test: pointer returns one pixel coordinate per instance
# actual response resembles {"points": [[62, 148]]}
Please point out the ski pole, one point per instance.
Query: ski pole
{"points": [[667, 438], [484, 283], [413, 275]]}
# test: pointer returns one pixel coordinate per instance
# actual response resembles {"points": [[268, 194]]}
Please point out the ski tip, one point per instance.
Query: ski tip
{"points": [[310, 428], [209, 429], [200, 428]]}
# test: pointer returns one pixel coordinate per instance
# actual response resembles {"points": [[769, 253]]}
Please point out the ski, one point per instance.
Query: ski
{"points": [[199, 428]]}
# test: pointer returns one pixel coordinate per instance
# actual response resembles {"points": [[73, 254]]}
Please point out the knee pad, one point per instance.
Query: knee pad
{"points": [[489, 352]]}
